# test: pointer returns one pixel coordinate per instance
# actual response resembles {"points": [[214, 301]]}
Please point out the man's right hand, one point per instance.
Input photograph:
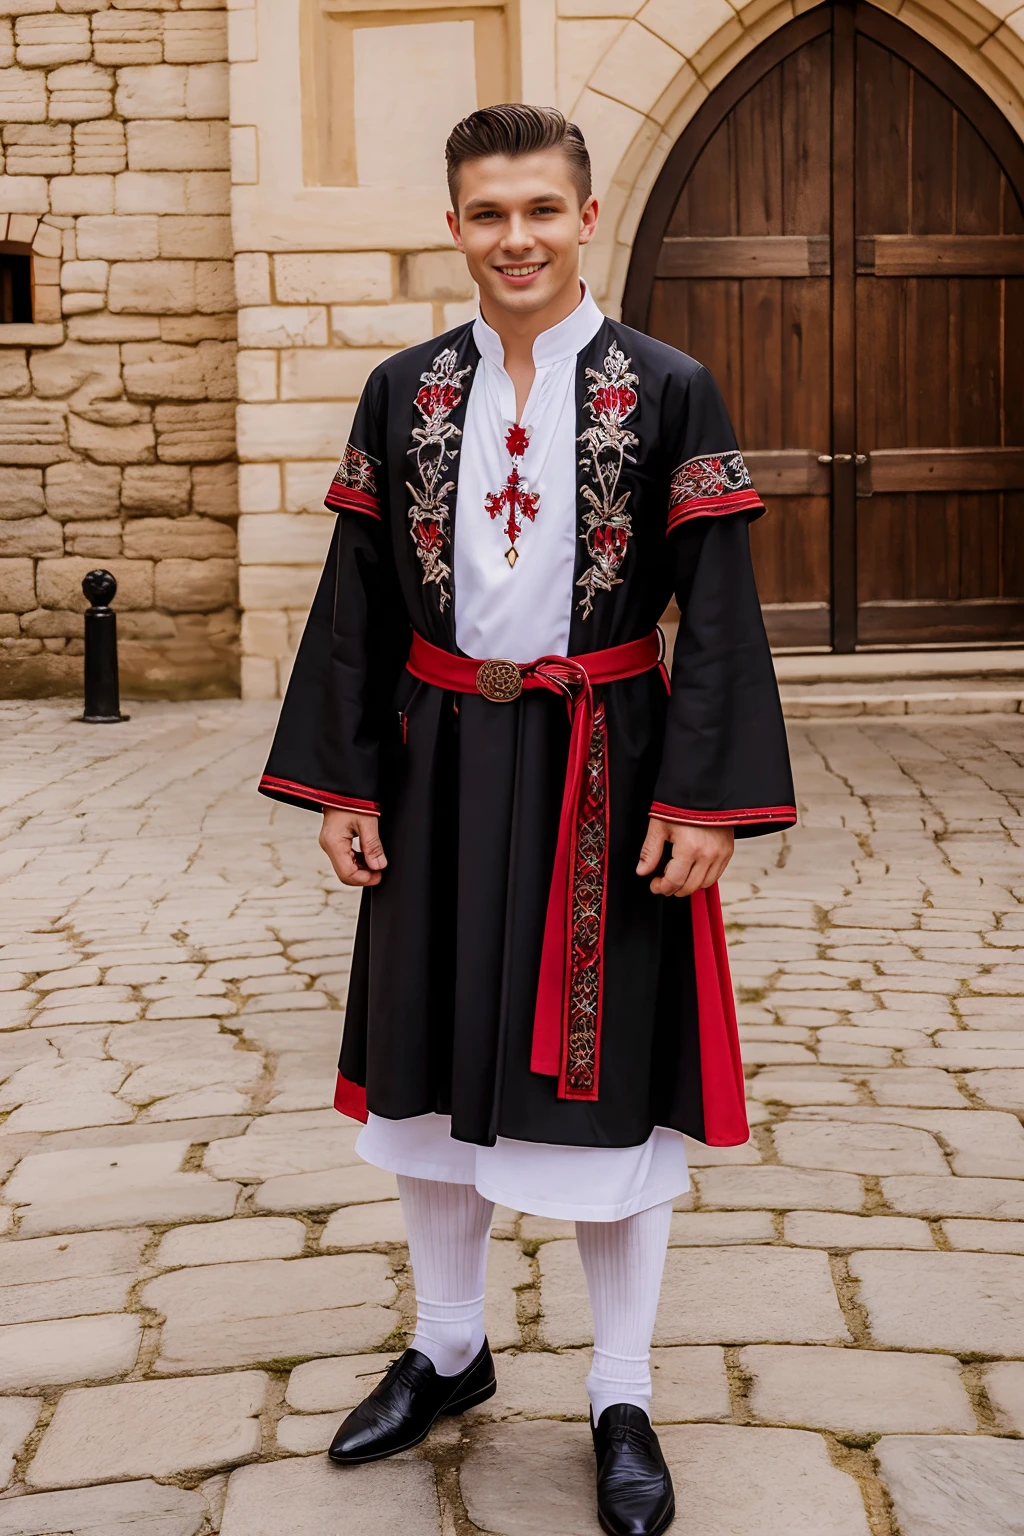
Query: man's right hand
{"points": [[337, 835]]}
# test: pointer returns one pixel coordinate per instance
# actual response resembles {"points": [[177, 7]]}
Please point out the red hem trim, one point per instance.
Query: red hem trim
{"points": [[783, 813], [322, 797], [713, 506], [350, 1099], [356, 501]]}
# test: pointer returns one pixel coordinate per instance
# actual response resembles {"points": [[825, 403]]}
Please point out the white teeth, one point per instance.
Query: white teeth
{"points": [[521, 271]]}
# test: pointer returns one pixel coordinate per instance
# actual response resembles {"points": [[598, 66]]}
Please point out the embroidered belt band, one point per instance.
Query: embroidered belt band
{"points": [[567, 1021]]}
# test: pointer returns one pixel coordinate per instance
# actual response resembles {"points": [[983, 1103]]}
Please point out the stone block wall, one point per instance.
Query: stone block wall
{"points": [[117, 432], [311, 327]]}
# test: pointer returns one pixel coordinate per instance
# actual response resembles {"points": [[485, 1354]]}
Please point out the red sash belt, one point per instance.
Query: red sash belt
{"points": [[567, 1022]]}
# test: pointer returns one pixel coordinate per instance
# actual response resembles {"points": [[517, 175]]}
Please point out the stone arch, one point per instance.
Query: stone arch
{"points": [[668, 58]]}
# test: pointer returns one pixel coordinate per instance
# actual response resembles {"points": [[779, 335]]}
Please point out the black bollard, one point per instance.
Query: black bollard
{"points": [[102, 698]]}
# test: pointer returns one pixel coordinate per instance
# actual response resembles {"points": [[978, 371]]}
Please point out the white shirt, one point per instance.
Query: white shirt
{"points": [[520, 611]]}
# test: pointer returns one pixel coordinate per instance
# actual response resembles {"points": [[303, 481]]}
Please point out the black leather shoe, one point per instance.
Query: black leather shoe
{"points": [[402, 1406], [634, 1488]]}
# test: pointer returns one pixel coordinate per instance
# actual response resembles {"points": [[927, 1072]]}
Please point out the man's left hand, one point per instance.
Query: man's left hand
{"points": [[699, 856]]}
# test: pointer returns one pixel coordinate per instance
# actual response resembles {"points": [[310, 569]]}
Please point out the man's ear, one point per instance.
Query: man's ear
{"points": [[453, 225], [588, 220]]}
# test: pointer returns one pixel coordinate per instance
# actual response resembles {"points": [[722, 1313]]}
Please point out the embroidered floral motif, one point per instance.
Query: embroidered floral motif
{"points": [[611, 398], [588, 895], [435, 452], [515, 496], [356, 471], [717, 482], [355, 483]]}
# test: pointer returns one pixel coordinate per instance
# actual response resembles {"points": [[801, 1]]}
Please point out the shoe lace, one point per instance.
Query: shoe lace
{"points": [[383, 1371]]}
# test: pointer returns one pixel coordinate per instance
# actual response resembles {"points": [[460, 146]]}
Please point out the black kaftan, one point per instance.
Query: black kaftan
{"points": [[440, 1011]]}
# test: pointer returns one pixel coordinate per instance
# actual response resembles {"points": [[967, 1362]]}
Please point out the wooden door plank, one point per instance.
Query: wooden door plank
{"points": [[787, 472], [807, 140], [760, 421], [756, 124], [796, 626], [744, 256], [883, 139], [806, 391], [932, 157], [844, 350], [970, 470], [949, 623], [941, 255], [978, 183]]}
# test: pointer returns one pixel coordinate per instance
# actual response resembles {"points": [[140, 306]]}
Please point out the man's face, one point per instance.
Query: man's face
{"points": [[520, 225]]}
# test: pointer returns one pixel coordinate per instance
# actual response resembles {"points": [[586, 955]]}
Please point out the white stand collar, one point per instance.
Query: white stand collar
{"points": [[564, 340]]}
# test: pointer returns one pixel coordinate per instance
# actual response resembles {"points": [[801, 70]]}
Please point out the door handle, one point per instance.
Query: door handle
{"points": [[824, 458], [842, 458]]}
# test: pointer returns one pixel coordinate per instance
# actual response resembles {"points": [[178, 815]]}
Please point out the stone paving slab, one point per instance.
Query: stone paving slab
{"points": [[173, 964], [944, 1487], [157, 1428], [856, 1390], [249, 1313], [1004, 1383], [142, 1508], [232, 1242], [48, 1354], [962, 1302], [309, 1498], [18, 1416]]}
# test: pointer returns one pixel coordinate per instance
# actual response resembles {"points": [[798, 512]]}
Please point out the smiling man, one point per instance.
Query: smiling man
{"points": [[540, 1003]]}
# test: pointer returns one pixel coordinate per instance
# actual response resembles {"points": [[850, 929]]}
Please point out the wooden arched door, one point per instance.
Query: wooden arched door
{"points": [[839, 236]]}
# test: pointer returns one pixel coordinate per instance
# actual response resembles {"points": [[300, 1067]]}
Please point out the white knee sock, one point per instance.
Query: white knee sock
{"points": [[623, 1261], [448, 1226]]}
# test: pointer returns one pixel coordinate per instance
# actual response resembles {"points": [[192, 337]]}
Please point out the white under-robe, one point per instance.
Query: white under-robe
{"points": [[521, 612]]}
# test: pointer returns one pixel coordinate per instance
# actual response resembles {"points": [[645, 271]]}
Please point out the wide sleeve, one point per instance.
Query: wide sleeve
{"points": [[725, 759], [336, 710]]}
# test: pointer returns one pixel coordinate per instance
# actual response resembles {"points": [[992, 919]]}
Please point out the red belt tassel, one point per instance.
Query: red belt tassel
{"points": [[567, 1021]]}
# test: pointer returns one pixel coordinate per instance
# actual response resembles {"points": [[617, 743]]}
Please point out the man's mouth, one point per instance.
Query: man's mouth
{"points": [[526, 270]]}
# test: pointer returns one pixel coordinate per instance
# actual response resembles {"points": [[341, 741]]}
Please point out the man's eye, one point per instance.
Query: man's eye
{"points": [[545, 209]]}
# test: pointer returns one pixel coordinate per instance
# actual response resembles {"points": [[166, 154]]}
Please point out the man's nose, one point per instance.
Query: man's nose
{"points": [[517, 236]]}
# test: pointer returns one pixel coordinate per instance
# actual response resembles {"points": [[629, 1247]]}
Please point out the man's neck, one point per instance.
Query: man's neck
{"points": [[519, 332]]}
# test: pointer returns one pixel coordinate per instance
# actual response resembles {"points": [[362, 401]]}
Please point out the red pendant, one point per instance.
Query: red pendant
{"points": [[515, 500]]}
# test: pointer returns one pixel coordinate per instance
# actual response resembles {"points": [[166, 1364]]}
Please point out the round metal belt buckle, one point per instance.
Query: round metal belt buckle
{"points": [[500, 681]]}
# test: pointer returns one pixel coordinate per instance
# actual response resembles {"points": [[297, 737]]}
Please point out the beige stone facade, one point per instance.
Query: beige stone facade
{"points": [[118, 431]]}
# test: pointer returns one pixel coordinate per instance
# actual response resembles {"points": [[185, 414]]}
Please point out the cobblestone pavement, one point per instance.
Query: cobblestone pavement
{"points": [[198, 1276]]}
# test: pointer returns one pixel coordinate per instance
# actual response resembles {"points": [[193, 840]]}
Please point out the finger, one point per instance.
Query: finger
{"points": [[696, 878], [650, 853], [370, 844], [674, 876], [711, 874], [716, 872], [345, 861]]}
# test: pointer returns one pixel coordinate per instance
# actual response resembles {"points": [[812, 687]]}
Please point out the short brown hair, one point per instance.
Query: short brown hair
{"points": [[515, 129]]}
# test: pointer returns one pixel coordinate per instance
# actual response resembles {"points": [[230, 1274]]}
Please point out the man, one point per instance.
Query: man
{"points": [[479, 702]]}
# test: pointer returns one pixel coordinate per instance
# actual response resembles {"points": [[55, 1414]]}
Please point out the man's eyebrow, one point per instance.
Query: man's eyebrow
{"points": [[474, 204]]}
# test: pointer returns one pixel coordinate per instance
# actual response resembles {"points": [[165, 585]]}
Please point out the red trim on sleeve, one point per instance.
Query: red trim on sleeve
{"points": [[350, 1099], [714, 506], [784, 815], [269, 785], [342, 496]]}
